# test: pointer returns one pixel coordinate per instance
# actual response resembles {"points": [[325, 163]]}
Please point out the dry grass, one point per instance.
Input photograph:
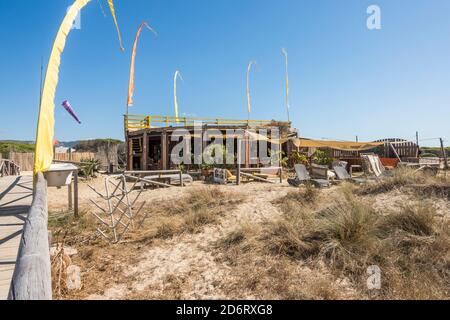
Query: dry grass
{"points": [[104, 264], [403, 177], [200, 207], [259, 274], [319, 248], [73, 230], [297, 199], [411, 246]]}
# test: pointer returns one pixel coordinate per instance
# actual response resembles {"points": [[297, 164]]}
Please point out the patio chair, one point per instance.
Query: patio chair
{"points": [[343, 175], [303, 177]]}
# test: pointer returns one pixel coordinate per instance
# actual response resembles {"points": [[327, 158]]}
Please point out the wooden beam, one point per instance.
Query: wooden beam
{"points": [[69, 195], [395, 151], [256, 178], [75, 193], [164, 151], [160, 184], [147, 172], [239, 157], [144, 151], [444, 154], [32, 276], [130, 154]]}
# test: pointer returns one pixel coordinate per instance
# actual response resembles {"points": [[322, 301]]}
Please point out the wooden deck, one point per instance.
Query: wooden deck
{"points": [[16, 195]]}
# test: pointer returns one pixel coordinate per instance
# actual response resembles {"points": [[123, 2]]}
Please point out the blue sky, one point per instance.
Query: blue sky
{"points": [[345, 79]]}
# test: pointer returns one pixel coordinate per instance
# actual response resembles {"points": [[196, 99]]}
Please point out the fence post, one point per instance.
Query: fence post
{"points": [[75, 193], [32, 275], [444, 154]]}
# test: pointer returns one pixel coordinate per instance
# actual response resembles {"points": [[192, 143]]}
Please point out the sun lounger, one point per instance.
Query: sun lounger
{"points": [[223, 176], [319, 171], [373, 166], [343, 175], [303, 177]]}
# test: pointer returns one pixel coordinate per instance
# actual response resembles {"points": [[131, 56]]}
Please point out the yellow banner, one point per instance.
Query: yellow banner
{"points": [[113, 12], [46, 120]]}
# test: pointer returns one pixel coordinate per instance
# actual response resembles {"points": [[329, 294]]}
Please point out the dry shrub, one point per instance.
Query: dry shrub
{"points": [[103, 264], [59, 264], [343, 234], [76, 230], [418, 259], [402, 177], [171, 288], [417, 220], [439, 190], [234, 238], [295, 200], [259, 274], [188, 214]]}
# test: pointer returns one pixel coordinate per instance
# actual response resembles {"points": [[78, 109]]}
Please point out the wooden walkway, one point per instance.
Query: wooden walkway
{"points": [[16, 195]]}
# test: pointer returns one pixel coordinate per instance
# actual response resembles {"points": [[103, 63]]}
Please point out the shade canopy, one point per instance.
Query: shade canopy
{"points": [[337, 145]]}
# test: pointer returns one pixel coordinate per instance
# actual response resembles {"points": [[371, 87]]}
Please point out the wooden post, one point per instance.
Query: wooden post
{"points": [[69, 191], [181, 178], [247, 150], [444, 153], [144, 151], [32, 275], [130, 154], [281, 174], [164, 150], [417, 143], [239, 155], [75, 193]]}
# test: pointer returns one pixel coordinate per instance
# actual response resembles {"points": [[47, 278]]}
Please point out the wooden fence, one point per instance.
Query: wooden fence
{"points": [[8, 168], [32, 275], [26, 160], [74, 156], [404, 149]]}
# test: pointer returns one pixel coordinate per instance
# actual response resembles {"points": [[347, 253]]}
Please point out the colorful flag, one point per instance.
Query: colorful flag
{"points": [[249, 107], [175, 99], [283, 50], [113, 13], [133, 58]]}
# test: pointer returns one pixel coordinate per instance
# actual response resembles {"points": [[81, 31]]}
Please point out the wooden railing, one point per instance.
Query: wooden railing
{"points": [[8, 168], [137, 122], [32, 275]]}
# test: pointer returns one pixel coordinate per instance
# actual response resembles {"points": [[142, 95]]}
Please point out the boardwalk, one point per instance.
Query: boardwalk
{"points": [[15, 200]]}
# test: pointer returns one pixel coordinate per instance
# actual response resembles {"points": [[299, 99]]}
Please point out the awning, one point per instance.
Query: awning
{"points": [[337, 145]]}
